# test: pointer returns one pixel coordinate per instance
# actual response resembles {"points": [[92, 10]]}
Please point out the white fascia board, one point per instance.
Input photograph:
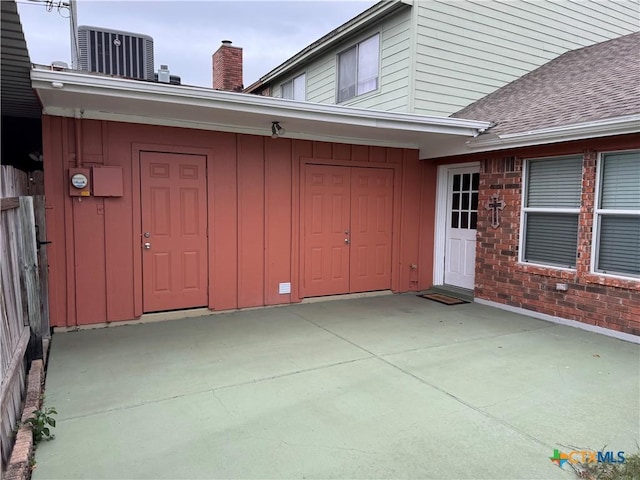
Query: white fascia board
{"points": [[356, 24], [218, 127], [624, 125], [87, 85]]}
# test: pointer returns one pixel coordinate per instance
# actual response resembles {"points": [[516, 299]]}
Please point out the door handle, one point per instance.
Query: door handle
{"points": [[147, 246], [347, 241]]}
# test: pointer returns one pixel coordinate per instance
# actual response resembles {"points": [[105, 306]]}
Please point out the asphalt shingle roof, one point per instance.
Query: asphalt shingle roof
{"points": [[592, 83]]}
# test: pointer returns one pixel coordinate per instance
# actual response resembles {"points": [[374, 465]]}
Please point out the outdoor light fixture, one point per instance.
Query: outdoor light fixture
{"points": [[277, 130]]}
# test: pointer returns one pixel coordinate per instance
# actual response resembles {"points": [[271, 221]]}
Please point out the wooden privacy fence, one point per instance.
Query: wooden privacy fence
{"points": [[23, 307]]}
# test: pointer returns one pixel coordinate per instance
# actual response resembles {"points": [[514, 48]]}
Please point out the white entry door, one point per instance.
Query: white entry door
{"points": [[462, 217]]}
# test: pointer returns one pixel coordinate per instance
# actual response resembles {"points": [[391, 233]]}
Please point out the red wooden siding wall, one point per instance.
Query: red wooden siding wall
{"points": [[254, 221]]}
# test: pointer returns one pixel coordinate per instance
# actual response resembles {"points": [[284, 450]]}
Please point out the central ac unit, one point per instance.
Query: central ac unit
{"points": [[114, 52]]}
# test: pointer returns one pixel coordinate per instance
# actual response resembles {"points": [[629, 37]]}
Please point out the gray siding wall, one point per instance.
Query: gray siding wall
{"points": [[395, 61], [465, 50]]}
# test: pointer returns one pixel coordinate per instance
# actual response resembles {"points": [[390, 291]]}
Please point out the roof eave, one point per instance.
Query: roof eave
{"points": [[65, 93], [622, 125]]}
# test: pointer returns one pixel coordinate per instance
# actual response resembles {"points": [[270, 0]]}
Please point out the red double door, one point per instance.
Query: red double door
{"points": [[347, 222]]}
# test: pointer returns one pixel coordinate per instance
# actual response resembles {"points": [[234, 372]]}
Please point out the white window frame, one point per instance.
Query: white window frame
{"points": [[356, 46], [524, 210], [292, 82], [598, 213]]}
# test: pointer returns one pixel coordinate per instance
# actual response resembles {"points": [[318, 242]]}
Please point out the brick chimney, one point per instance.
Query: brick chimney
{"points": [[227, 68]]}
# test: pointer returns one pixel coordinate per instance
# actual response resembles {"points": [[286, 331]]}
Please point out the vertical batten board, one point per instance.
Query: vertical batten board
{"points": [[54, 213], [277, 220], [223, 273], [250, 221], [89, 249]]}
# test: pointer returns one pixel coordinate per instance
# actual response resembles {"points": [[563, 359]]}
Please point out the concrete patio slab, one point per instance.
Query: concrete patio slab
{"points": [[551, 383], [378, 387], [398, 324]]}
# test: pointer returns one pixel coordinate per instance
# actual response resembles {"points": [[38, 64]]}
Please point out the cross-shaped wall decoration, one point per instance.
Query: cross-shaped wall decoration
{"points": [[494, 205]]}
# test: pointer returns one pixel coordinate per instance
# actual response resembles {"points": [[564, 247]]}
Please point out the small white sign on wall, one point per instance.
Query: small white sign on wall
{"points": [[284, 288]]}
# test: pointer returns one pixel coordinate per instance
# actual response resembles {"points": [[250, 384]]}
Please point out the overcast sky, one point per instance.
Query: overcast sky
{"points": [[186, 33]]}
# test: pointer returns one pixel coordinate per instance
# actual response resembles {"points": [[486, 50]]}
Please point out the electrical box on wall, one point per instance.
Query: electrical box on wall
{"points": [[107, 182], [79, 182]]}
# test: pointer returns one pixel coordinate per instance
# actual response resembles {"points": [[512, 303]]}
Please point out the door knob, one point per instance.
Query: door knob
{"points": [[346, 240], [147, 246]]}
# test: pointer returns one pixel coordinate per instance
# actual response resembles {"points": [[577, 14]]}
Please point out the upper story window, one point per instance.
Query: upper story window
{"points": [[295, 89], [358, 69], [617, 215], [551, 206]]}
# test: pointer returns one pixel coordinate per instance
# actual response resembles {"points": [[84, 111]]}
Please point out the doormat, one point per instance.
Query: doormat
{"points": [[440, 298]]}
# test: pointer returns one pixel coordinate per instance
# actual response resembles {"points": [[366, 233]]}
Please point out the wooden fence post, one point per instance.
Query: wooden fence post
{"points": [[43, 263], [30, 278]]}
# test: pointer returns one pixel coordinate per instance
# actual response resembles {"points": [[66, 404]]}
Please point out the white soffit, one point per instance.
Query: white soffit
{"points": [[70, 93]]}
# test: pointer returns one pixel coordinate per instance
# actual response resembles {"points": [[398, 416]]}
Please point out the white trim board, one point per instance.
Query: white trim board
{"points": [[626, 337], [101, 97]]}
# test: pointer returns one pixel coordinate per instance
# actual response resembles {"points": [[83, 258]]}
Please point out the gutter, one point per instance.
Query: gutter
{"points": [[627, 124], [89, 85]]}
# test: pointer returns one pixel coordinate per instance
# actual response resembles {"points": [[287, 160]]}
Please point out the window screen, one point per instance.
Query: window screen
{"points": [[618, 215], [551, 209]]}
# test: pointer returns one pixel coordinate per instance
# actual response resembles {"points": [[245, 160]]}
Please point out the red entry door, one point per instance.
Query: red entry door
{"points": [[174, 231], [347, 229]]}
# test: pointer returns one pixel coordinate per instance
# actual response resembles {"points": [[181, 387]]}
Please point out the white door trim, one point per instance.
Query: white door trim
{"points": [[442, 199]]}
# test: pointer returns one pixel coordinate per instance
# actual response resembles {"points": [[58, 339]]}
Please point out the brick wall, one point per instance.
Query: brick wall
{"points": [[594, 299], [227, 68]]}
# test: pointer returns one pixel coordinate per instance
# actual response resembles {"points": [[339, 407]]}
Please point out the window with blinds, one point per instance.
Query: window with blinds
{"points": [[551, 206], [617, 215]]}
